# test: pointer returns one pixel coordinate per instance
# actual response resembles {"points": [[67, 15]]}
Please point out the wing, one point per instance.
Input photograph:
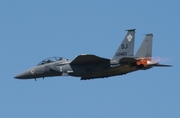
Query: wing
{"points": [[89, 59]]}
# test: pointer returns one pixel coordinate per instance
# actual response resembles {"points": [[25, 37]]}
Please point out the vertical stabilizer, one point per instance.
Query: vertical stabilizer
{"points": [[126, 49], [145, 50]]}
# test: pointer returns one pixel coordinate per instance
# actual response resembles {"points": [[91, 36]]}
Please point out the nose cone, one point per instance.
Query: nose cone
{"points": [[38, 72], [24, 75]]}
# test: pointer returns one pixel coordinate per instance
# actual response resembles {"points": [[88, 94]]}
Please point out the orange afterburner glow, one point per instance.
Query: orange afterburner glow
{"points": [[143, 62]]}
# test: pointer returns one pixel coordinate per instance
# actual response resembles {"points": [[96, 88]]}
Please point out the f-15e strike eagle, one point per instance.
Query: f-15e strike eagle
{"points": [[88, 66]]}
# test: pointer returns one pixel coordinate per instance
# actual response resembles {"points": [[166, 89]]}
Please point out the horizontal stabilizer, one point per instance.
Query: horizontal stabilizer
{"points": [[156, 64], [89, 59], [162, 65]]}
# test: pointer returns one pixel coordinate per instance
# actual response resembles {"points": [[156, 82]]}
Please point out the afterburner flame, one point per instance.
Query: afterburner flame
{"points": [[142, 61], [149, 62]]}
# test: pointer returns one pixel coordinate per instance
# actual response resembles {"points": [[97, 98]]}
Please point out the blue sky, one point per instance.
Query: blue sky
{"points": [[33, 30]]}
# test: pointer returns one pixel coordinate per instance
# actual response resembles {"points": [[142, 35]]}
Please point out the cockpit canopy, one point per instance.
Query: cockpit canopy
{"points": [[50, 60]]}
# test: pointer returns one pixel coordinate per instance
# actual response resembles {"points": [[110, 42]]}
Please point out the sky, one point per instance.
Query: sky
{"points": [[32, 30]]}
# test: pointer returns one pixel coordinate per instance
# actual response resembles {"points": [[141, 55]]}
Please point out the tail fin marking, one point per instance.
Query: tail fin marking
{"points": [[126, 49]]}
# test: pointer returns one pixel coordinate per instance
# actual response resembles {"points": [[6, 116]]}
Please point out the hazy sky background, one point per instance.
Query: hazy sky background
{"points": [[31, 30]]}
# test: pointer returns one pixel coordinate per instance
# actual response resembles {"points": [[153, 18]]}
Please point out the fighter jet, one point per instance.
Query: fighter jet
{"points": [[89, 66]]}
